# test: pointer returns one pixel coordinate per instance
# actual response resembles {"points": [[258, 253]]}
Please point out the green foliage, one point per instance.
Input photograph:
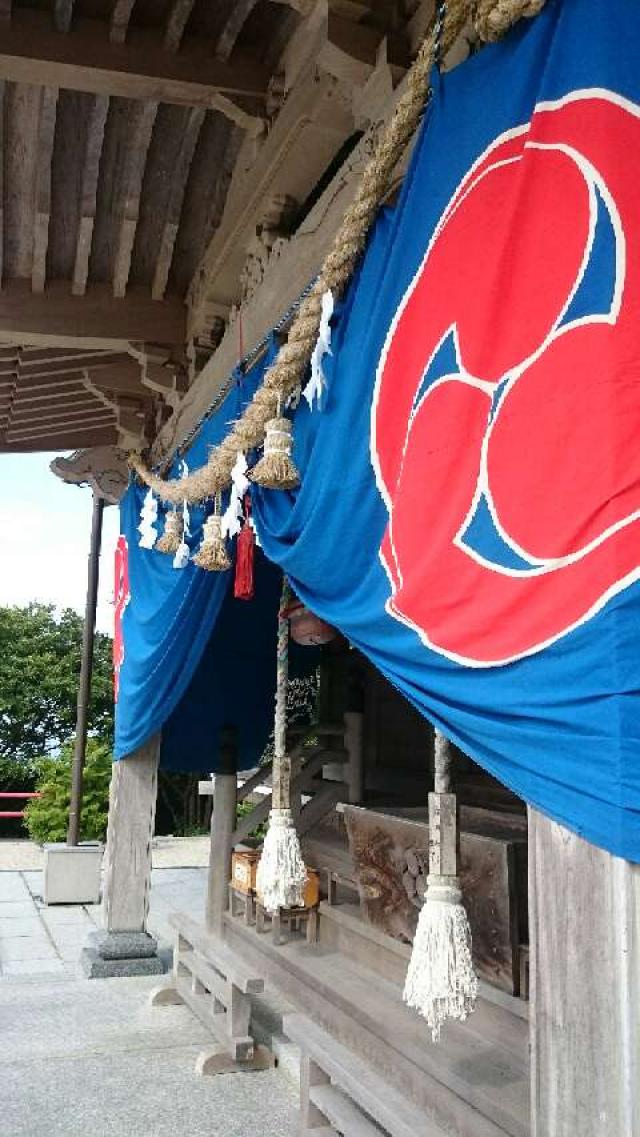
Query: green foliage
{"points": [[39, 670], [47, 817], [242, 809]]}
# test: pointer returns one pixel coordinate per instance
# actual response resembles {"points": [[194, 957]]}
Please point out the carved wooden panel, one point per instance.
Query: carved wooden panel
{"points": [[390, 854]]}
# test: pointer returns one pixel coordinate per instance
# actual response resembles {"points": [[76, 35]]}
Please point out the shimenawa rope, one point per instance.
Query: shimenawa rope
{"points": [[492, 18]]}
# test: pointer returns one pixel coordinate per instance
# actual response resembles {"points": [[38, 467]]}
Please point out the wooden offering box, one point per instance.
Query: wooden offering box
{"points": [[244, 865]]}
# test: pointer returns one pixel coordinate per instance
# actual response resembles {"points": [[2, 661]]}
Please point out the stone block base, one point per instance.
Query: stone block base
{"points": [[121, 954]]}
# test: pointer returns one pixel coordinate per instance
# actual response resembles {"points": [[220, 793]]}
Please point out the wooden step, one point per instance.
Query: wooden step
{"points": [[356, 1089], [342, 927], [217, 953], [474, 1083], [342, 1113]]}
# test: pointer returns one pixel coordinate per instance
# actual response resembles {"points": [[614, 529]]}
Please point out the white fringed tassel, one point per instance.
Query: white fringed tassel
{"points": [[441, 983], [282, 874]]}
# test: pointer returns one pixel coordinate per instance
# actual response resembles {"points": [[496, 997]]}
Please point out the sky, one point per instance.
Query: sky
{"points": [[45, 526]]}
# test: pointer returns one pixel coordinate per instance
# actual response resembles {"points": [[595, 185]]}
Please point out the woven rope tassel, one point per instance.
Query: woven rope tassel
{"points": [[282, 874], [171, 539], [275, 470], [441, 983], [212, 554]]}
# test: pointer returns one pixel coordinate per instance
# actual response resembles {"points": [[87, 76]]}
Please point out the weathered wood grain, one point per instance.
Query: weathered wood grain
{"points": [[176, 23], [128, 207], [91, 168], [96, 319], [585, 998], [31, 51], [132, 807], [120, 16], [46, 131], [62, 13], [238, 16]]}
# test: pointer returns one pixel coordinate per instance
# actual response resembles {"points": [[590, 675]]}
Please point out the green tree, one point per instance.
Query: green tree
{"points": [[39, 670], [47, 817]]}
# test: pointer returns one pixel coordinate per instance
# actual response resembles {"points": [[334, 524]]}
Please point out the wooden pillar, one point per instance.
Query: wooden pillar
{"points": [[86, 671], [353, 734], [132, 811], [223, 823], [585, 993]]}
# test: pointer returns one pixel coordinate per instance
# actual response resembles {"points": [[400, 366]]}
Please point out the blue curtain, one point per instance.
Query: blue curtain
{"points": [[470, 492]]}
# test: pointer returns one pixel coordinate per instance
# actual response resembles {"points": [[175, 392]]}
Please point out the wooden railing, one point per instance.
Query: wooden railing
{"points": [[307, 761], [22, 795], [311, 749]]}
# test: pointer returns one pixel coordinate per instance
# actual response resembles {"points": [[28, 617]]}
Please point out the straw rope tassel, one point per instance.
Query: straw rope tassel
{"points": [[441, 983], [212, 554], [282, 874], [171, 538], [276, 469]]}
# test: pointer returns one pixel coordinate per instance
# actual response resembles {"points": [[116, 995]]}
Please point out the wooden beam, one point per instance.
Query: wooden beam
{"points": [[103, 418], [62, 13], [73, 438], [97, 319], [238, 15], [68, 362], [176, 23], [144, 117], [91, 168], [120, 17], [32, 52], [176, 198], [46, 132], [69, 410]]}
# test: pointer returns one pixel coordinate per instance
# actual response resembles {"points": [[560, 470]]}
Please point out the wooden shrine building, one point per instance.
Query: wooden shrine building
{"points": [[172, 173]]}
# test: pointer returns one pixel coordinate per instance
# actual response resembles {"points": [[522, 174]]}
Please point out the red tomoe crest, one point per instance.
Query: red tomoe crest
{"points": [[121, 597], [509, 390]]}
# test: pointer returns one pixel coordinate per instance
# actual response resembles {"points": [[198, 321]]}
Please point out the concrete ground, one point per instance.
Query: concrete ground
{"points": [[82, 1056]]}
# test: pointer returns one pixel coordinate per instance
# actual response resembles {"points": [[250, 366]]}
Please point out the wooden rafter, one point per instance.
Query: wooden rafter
{"points": [[46, 131], [235, 22], [31, 51], [96, 319], [62, 13], [95, 138], [120, 16], [129, 208], [176, 198], [101, 418], [176, 23]]}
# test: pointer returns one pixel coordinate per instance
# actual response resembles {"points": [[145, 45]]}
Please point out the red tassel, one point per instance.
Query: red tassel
{"points": [[245, 546]]}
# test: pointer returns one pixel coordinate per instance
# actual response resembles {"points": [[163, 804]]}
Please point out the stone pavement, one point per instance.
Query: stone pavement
{"points": [[36, 940], [82, 1056], [167, 852]]}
